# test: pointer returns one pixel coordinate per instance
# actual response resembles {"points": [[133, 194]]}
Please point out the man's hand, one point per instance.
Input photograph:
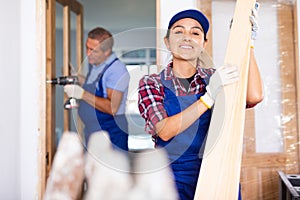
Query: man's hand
{"points": [[74, 91], [224, 75]]}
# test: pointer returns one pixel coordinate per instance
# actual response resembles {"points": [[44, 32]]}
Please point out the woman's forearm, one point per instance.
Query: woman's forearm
{"points": [[174, 125]]}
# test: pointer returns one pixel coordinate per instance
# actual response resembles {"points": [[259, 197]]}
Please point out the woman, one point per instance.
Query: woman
{"points": [[176, 104]]}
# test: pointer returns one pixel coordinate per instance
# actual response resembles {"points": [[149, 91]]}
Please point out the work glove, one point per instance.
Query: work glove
{"points": [[254, 23], [74, 91], [224, 75]]}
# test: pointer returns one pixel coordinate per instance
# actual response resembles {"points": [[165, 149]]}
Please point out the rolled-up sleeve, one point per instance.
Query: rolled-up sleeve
{"points": [[150, 102]]}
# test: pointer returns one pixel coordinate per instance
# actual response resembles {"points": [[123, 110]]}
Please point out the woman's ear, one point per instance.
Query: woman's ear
{"points": [[205, 43], [166, 40]]}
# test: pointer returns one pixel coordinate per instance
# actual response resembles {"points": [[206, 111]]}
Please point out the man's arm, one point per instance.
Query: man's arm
{"points": [[81, 79], [108, 105]]}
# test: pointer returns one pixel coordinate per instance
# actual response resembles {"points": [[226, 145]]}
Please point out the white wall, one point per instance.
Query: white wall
{"points": [[18, 102], [31, 78], [9, 101]]}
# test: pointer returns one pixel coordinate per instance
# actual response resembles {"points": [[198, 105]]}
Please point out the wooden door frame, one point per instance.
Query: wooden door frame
{"points": [[288, 159], [297, 65], [41, 61], [205, 6], [288, 45], [48, 59]]}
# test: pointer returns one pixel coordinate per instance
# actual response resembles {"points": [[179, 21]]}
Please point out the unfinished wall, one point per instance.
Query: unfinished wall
{"points": [[19, 102]]}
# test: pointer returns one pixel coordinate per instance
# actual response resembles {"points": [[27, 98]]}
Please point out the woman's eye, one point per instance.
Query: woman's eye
{"points": [[196, 32], [178, 32]]}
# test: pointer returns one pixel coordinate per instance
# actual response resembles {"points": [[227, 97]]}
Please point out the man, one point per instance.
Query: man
{"points": [[104, 91]]}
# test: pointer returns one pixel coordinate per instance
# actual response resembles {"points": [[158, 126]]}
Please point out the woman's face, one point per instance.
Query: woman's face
{"points": [[186, 39]]}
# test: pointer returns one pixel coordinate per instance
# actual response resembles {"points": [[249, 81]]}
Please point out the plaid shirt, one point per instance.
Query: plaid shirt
{"points": [[151, 94]]}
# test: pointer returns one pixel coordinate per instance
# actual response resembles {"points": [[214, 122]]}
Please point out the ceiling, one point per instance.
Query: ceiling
{"points": [[117, 15]]}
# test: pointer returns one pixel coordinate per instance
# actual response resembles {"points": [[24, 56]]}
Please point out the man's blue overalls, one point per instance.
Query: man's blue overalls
{"points": [[95, 120], [183, 150]]}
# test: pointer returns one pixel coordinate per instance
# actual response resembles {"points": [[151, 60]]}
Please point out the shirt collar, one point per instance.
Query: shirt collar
{"points": [[110, 58], [107, 61], [169, 73]]}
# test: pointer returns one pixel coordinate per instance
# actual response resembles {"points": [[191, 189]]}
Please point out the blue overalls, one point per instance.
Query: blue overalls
{"points": [[184, 149], [95, 120]]}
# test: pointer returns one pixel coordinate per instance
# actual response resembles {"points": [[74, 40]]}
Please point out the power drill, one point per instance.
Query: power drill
{"points": [[64, 80]]}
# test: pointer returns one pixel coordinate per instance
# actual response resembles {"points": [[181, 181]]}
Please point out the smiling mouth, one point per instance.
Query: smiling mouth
{"points": [[185, 47]]}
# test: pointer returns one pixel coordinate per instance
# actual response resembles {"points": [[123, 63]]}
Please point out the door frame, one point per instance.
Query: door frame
{"points": [[46, 34]]}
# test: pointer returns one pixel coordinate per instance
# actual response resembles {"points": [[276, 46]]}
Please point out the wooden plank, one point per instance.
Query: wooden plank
{"points": [[205, 7], [249, 132], [79, 54], [79, 39], [287, 74], [220, 171], [51, 70], [66, 57], [75, 6], [41, 62], [50, 89], [296, 15], [206, 57], [269, 160], [250, 187], [158, 35]]}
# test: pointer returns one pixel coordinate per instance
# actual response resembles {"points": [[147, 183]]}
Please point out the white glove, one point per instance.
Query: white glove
{"points": [[254, 23], [224, 75], [74, 91]]}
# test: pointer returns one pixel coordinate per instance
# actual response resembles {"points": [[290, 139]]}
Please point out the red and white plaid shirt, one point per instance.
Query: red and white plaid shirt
{"points": [[151, 94]]}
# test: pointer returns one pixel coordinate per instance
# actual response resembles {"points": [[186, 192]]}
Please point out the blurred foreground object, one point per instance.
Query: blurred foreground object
{"points": [[110, 174], [107, 170], [66, 176], [153, 177]]}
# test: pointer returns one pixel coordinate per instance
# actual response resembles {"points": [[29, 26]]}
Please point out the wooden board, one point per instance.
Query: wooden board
{"points": [[220, 171], [50, 28]]}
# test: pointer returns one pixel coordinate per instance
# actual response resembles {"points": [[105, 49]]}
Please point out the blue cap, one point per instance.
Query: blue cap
{"points": [[194, 14]]}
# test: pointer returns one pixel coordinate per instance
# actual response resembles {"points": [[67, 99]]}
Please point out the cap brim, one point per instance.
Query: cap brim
{"points": [[193, 14]]}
